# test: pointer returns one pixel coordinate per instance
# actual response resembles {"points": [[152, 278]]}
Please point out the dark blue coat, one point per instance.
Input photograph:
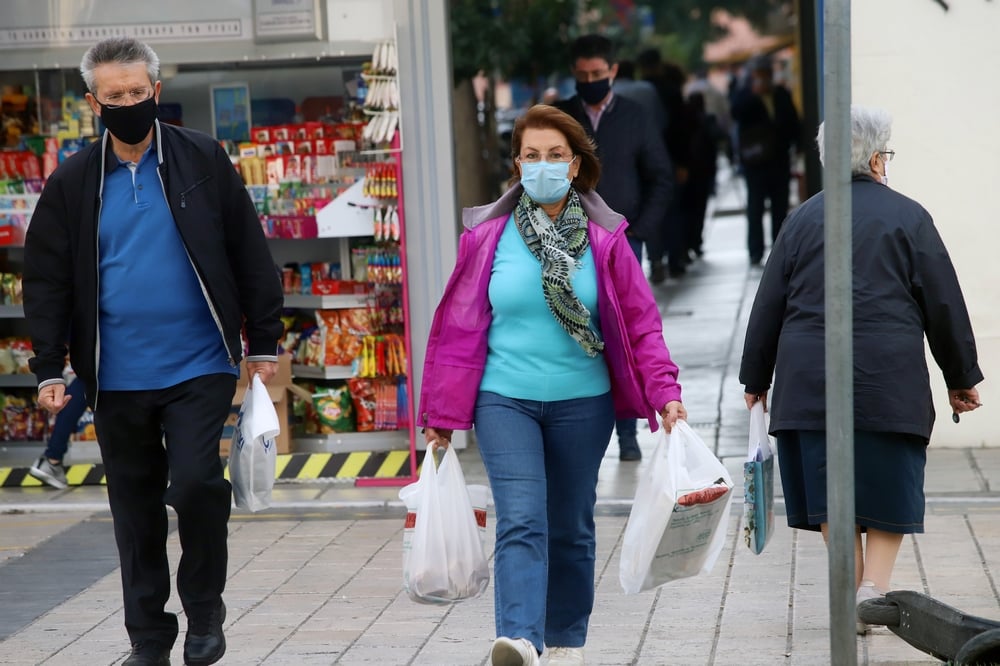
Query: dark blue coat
{"points": [[905, 287]]}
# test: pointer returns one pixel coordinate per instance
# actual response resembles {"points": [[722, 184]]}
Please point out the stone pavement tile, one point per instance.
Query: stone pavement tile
{"points": [[881, 646], [988, 462], [463, 636], [951, 471], [22, 532]]}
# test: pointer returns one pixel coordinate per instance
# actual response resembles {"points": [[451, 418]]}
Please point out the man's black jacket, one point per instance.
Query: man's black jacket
{"points": [[217, 223], [636, 173]]}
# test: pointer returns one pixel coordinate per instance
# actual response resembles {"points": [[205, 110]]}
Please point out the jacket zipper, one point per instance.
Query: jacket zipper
{"points": [[201, 283], [184, 193]]}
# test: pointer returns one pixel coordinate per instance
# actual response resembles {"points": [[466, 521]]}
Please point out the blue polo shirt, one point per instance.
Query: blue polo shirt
{"points": [[156, 329]]}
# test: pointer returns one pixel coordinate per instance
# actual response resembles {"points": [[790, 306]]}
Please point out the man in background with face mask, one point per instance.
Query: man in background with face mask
{"points": [[146, 257], [636, 173]]}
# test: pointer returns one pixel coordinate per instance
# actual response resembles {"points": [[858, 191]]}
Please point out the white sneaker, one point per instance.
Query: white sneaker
{"points": [[866, 591], [513, 652], [565, 656]]}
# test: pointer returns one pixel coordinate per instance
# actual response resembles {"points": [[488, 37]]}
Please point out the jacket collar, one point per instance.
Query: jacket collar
{"points": [[597, 211]]}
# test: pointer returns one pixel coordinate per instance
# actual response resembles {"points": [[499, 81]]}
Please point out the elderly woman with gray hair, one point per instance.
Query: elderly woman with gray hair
{"points": [[904, 288]]}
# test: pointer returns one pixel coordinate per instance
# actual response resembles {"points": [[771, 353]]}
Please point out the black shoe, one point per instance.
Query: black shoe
{"points": [[205, 643], [148, 653], [629, 452], [657, 274]]}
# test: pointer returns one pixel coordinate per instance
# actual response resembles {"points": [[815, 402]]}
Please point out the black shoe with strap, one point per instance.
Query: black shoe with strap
{"points": [[205, 643], [148, 653]]}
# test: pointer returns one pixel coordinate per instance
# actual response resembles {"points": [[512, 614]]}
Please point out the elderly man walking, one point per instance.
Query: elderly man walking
{"points": [[146, 257]]}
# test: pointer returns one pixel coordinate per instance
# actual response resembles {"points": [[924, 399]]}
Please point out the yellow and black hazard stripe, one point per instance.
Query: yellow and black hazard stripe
{"points": [[84, 474], [290, 466], [353, 465]]}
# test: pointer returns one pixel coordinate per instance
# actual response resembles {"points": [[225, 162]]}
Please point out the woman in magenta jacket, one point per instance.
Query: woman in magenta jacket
{"points": [[547, 331]]}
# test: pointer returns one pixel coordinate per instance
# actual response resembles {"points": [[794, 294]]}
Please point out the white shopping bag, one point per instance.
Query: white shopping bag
{"points": [[443, 556], [254, 453], [677, 526]]}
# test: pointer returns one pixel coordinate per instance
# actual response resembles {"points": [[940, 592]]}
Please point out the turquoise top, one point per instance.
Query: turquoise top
{"points": [[530, 356]]}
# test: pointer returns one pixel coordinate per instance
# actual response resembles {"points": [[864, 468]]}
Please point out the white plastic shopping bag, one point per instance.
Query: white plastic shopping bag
{"points": [[443, 556], [254, 453], [758, 483], [677, 526]]}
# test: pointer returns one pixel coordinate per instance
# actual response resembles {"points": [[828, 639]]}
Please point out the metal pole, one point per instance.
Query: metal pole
{"points": [[839, 331]]}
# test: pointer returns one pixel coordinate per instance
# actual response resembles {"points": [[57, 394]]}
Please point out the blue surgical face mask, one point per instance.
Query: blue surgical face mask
{"points": [[545, 182]]}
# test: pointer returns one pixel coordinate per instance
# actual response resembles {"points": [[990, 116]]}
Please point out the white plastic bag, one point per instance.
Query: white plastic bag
{"points": [[758, 483], [254, 453], [443, 556], [677, 526]]}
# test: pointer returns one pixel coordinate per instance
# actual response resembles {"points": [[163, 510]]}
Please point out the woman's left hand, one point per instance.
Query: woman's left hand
{"points": [[672, 411]]}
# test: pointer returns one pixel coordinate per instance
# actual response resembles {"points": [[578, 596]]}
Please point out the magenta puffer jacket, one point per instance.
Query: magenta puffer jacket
{"points": [[643, 378]]}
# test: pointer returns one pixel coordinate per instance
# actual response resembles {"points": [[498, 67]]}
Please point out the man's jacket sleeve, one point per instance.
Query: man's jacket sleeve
{"points": [[48, 283]]}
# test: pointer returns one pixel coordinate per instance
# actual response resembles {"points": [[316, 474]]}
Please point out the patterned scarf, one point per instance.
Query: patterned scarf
{"points": [[558, 246]]}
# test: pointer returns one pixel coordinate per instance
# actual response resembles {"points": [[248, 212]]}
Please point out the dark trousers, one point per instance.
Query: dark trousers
{"points": [[695, 205], [765, 183], [675, 234], [148, 438]]}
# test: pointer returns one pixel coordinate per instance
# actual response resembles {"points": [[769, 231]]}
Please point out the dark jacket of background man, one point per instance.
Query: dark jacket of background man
{"points": [[635, 169]]}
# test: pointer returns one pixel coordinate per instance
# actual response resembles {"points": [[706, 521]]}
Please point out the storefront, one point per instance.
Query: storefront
{"points": [[337, 114]]}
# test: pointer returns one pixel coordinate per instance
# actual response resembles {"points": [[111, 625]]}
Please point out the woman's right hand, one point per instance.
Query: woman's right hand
{"points": [[438, 436]]}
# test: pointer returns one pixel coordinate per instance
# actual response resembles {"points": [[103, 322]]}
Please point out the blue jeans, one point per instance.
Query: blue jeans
{"points": [[66, 420], [542, 460]]}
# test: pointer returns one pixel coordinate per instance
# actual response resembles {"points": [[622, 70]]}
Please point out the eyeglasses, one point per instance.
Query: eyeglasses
{"points": [[554, 156], [887, 155], [135, 95]]}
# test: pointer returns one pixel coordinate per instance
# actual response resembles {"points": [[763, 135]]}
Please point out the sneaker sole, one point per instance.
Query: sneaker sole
{"points": [[506, 655], [47, 478]]}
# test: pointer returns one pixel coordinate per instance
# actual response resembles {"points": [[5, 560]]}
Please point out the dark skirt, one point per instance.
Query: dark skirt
{"points": [[888, 479]]}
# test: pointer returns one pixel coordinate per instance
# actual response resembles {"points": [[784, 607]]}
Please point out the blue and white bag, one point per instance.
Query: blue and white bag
{"points": [[758, 484]]}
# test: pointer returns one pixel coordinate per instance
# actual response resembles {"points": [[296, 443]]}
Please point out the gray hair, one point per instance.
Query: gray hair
{"points": [[870, 131], [121, 50]]}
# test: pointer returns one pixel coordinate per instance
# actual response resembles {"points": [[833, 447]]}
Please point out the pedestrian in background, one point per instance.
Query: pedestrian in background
{"points": [[146, 255], [768, 130], [636, 174], [668, 78], [547, 329], [642, 92], [704, 138], [905, 288], [49, 467]]}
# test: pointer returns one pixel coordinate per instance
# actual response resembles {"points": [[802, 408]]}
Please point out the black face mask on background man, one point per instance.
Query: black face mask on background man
{"points": [[592, 92], [130, 124]]}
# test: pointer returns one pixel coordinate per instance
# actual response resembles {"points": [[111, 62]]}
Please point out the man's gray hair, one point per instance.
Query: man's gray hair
{"points": [[870, 131], [121, 50]]}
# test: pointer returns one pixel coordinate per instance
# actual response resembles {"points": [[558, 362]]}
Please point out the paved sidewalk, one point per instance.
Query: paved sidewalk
{"points": [[317, 579]]}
